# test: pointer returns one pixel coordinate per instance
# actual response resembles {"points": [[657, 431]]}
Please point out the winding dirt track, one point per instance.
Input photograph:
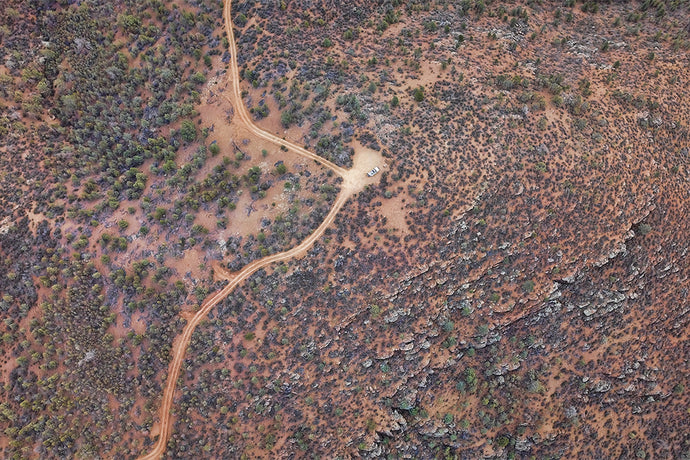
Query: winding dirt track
{"points": [[351, 183]]}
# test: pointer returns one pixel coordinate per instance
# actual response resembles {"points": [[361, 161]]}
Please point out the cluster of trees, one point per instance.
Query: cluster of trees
{"points": [[109, 109]]}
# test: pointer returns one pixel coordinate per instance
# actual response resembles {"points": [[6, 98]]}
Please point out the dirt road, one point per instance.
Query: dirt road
{"points": [[180, 346], [353, 180]]}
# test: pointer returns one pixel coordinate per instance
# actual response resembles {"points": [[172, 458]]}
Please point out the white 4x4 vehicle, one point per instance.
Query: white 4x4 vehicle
{"points": [[373, 172]]}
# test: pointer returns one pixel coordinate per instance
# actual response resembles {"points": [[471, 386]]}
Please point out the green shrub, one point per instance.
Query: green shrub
{"points": [[188, 130], [528, 286], [241, 19], [418, 94]]}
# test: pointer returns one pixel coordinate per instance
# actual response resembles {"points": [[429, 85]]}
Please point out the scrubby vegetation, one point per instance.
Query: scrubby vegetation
{"points": [[514, 285]]}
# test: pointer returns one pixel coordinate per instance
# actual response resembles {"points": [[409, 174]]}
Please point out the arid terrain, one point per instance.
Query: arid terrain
{"points": [[195, 264]]}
